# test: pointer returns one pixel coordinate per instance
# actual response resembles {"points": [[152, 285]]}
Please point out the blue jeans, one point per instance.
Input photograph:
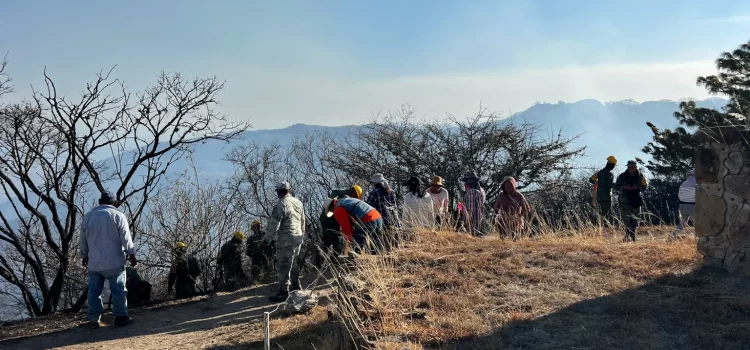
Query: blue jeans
{"points": [[372, 229], [116, 278]]}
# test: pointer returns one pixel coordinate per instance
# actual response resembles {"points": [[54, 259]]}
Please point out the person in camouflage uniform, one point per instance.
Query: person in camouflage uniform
{"points": [[630, 184], [261, 258], [182, 273], [604, 181], [286, 227], [230, 259]]}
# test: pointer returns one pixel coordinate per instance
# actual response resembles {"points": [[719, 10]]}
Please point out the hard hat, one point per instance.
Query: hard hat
{"points": [[327, 206], [612, 159], [283, 186], [179, 245], [255, 223], [239, 235], [358, 191]]}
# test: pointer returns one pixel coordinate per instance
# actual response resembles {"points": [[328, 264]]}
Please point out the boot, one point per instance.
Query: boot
{"points": [[123, 321]]}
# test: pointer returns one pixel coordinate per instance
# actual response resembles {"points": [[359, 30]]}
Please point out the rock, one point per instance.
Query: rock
{"points": [[722, 223], [352, 284], [300, 301]]}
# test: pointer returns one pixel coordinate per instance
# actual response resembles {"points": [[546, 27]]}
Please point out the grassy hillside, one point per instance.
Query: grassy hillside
{"points": [[445, 290], [576, 291]]}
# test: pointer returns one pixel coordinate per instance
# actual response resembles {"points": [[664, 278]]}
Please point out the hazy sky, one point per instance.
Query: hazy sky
{"points": [[340, 62]]}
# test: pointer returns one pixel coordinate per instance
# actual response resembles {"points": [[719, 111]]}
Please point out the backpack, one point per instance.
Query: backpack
{"points": [[194, 268]]}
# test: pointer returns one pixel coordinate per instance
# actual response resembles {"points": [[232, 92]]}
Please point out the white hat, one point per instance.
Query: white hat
{"points": [[283, 186], [327, 206], [378, 178]]}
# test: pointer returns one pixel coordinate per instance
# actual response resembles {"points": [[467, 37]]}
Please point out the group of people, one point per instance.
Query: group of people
{"points": [[349, 224], [630, 184]]}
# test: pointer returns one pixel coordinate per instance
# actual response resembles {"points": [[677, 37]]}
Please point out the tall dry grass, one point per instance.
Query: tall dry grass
{"points": [[440, 289]]}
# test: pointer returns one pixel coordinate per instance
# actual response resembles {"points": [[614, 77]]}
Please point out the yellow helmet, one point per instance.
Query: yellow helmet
{"points": [[239, 235], [179, 245], [255, 223], [358, 191], [612, 159]]}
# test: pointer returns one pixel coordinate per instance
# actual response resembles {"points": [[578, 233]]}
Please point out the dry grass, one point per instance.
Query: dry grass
{"points": [[570, 290], [442, 290]]}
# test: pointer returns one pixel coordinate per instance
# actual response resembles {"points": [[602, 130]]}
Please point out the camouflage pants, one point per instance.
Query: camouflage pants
{"points": [[630, 220], [287, 266]]}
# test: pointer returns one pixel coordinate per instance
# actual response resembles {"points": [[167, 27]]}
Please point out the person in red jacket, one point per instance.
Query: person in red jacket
{"points": [[357, 219]]}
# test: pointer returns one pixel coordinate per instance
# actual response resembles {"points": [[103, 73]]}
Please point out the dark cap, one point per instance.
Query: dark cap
{"points": [[632, 163], [107, 197], [413, 181], [469, 176]]}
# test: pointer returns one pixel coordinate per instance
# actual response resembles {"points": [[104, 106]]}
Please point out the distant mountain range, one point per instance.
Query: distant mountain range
{"points": [[609, 128]]}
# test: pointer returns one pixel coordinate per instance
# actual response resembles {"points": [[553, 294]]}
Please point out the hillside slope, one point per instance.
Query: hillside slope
{"points": [[451, 291]]}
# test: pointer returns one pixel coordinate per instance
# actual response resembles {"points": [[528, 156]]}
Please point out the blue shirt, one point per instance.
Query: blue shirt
{"points": [[105, 235]]}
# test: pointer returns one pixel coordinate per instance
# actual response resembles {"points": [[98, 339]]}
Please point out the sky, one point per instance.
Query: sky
{"points": [[343, 62]]}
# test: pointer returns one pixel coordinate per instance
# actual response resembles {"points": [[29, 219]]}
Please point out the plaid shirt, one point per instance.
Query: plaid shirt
{"points": [[473, 203], [384, 202]]}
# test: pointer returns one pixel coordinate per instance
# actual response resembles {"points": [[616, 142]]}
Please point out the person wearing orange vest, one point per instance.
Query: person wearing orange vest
{"points": [[358, 220]]}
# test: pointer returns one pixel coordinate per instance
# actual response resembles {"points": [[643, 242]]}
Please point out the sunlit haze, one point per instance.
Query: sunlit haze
{"points": [[334, 63]]}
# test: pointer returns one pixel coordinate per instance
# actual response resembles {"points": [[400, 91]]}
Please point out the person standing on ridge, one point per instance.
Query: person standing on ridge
{"points": [[440, 200], [183, 272], [604, 182], [474, 200], [383, 199], [418, 207], [630, 184], [511, 208], [261, 259], [230, 259], [105, 239], [686, 209], [286, 227]]}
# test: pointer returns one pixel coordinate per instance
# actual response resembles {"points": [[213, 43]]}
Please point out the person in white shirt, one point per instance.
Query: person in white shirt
{"points": [[686, 196], [105, 239], [439, 196], [418, 207]]}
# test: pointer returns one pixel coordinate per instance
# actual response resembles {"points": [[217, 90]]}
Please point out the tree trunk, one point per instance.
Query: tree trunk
{"points": [[52, 299], [81, 300]]}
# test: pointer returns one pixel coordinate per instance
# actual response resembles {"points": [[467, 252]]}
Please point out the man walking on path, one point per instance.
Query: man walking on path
{"points": [[105, 239], [286, 227], [604, 181], [630, 184]]}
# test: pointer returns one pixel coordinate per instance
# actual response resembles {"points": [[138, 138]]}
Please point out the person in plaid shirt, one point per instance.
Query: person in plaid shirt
{"points": [[473, 203]]}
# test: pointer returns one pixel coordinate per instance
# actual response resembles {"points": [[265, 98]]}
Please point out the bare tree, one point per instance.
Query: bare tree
{"points": [[201, 215], [55, 152], [400, 145]]}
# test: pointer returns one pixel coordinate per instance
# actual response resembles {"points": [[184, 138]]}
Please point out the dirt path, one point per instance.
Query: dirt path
{"points": [[224, 321]]}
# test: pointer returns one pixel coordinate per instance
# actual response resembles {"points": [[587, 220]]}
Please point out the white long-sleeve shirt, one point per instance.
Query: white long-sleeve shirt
{"points": [[418, 211], [105, 235]]}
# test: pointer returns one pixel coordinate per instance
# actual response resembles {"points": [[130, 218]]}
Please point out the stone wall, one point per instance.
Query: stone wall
{"points": [[722, 223]]}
